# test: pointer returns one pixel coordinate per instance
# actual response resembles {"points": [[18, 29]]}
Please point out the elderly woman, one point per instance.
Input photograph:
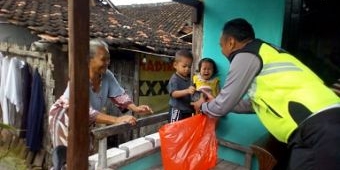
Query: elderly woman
{"points": [[103, 87]]}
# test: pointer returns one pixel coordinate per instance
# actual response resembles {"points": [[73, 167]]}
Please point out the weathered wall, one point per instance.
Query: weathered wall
{"points": [[43, 62]]}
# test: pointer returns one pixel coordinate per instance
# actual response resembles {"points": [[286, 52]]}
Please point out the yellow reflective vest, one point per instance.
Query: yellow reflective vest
{"points": [[285, 92]]}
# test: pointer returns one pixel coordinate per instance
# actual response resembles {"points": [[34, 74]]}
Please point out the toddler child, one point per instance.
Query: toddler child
{"points": [[180, 88], [206, 78]]}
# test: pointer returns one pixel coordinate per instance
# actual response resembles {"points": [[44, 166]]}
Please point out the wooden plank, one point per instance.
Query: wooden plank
{"points": [[7, 139], [197, 45], [242, 168], [78, 139], [266, 160], [9, 48], [14, 142], [23, 149], [102, 157], [227, 165], [270, 152], [157, 167], [336, 91], [220, 165], [247, 160], [136, 79], [247, 151], [29, 158], [39, 158], [235, 146], [106, 131], [336, 85]]}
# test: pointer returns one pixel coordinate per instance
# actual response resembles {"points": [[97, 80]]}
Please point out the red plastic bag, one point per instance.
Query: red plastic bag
{"points": [[189, 144]]}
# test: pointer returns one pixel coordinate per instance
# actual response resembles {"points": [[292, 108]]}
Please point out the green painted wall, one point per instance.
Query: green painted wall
{"points": [[266, 16]]}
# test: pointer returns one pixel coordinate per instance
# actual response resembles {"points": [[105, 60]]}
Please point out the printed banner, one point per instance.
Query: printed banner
{"points": [[155, 73]]}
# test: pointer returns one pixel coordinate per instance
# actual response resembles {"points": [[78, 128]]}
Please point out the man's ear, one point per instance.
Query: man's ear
{"points": [[231, 42]]}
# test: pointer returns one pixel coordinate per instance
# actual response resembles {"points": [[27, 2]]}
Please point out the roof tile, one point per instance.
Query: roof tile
{"points": [[170, 16], [48, 19]]}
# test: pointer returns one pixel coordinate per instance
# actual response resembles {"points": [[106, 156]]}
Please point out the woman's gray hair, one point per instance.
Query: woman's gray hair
{"points": [[94, 44]]}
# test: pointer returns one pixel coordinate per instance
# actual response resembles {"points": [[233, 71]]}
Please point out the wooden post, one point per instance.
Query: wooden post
{"points": [[197, 45], [136, 88], [102, 147], [78, 137], [136, 78], [102, 157]]}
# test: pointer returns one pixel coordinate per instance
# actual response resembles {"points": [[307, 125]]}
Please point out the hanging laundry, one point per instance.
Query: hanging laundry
{"points": [[1, 58], [35, 115], [5, 61], [26, 94], [13, 91]]}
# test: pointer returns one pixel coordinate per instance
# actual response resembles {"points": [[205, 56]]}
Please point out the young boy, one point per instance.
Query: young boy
{"points": [[180, 88]]}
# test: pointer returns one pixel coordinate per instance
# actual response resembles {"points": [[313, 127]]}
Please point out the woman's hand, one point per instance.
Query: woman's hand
{"points": [[141, 110], [127, 119], [108, 119]]}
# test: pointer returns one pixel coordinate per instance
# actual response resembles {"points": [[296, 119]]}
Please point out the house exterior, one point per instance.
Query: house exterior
{"points": [[36, 32], [276, 22]]}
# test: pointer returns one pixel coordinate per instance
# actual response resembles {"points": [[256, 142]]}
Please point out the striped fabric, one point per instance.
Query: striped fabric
{"points": [[58, 119]]}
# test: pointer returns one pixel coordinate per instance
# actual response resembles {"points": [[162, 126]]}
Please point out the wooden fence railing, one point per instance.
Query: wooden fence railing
{"points": [[103, 132]]}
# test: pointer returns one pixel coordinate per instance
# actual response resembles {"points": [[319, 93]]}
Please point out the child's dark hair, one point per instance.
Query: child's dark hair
{"points": [[183, 53], [210, 61]]}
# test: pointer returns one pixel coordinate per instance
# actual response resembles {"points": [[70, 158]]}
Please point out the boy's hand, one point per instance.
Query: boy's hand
{"points": [[191, 90]]}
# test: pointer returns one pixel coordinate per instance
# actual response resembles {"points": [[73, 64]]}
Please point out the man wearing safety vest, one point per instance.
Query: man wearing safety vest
{"points": [[291, 101]]}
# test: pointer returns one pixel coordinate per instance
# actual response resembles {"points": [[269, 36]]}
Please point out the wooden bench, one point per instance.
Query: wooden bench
{"points": [[248, 152], [271, 154], [336, 87]]}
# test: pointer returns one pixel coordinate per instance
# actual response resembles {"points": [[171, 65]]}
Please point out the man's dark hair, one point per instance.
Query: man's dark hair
{"points": [[183, 53], [239, 28]]}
